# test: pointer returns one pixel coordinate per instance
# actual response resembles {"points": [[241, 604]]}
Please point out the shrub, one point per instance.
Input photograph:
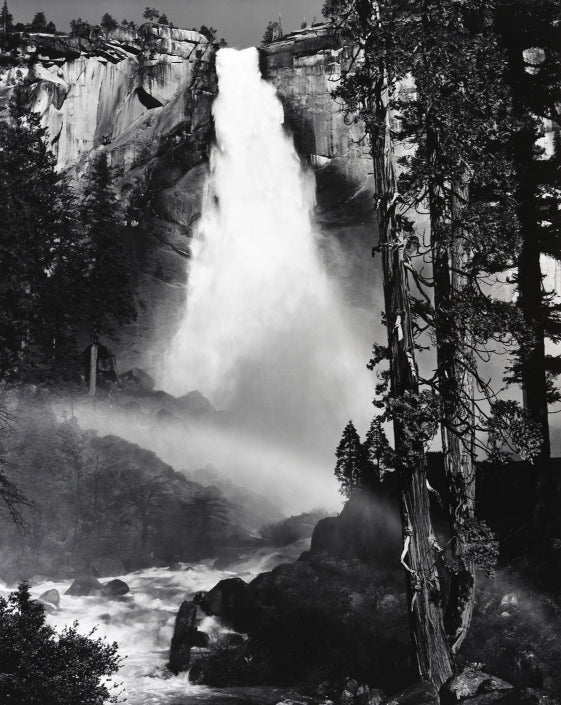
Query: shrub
{"points": [[38, 665]]}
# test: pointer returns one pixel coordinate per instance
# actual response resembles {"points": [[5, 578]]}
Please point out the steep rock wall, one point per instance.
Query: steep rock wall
{"points": [[305, 68], [145, 99]]}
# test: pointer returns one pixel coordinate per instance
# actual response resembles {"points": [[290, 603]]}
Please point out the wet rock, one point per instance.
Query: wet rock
{"points": [[138, 379], [82, 587], [52, 597], [470, 682], [227, 600], [527, 696], [106, 567], [421, 693], [230, 640], [185, 637], [49, 609], [199, 596], [115, 588], [231, 667], [195, 403], [376, 697]]}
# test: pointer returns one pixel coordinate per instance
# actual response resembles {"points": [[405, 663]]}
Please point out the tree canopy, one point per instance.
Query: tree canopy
{"points": [[38, 665]]}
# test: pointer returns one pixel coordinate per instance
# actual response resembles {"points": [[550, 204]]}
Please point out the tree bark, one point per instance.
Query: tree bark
{"points": [[93, 369], [455, 362], [432, 653]]}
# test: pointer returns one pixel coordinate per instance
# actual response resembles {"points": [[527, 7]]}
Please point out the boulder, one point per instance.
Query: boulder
{"points": [[471, 681], [421, 693], [49, 609], [376, 696], [84, 586], [195, 403], [138, 379], [107, 567], [52, 597], [185, 637], [229, 667], [227, 599], [114, 588]]}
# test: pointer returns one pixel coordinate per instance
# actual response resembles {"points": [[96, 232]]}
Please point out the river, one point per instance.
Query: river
{"points": [[142, 625]]}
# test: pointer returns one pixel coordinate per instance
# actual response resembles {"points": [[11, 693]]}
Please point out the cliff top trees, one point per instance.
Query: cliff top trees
{"points": [[39, 24], [108, 23], [273, 31], [6, 19], [151, 14], [361, 465], [352, 465]]}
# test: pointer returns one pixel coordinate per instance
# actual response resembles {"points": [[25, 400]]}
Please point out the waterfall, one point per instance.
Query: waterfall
{"points": [[265, 333]]}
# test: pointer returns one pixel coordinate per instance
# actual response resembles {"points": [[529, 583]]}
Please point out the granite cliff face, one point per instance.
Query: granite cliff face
{"points": [[146, 99], [305, 68]]}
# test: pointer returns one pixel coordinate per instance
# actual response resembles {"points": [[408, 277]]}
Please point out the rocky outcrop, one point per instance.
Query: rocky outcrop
{"points": [[368, 529], [308, 622], [145, 99], [84, 586], [185, 637], [115, 588]]}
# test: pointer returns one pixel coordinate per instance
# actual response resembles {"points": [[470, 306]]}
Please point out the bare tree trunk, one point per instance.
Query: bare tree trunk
{"points": [[93, 363], [457, 388], [432, 653]]}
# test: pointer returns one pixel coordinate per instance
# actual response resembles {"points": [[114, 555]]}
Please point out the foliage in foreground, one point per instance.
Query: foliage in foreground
{"points": [[39, 666]]}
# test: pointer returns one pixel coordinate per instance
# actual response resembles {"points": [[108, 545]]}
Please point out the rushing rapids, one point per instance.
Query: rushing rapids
{"points": [[142, 625]]}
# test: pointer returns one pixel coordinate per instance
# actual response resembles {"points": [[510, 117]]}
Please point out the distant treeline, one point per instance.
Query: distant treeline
{"points": [[89, 498]]}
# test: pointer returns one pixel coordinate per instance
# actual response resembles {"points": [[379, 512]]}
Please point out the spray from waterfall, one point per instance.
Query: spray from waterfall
{"points": [[265, 333]]}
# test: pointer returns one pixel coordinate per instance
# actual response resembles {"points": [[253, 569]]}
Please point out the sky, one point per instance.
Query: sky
{"points": [[241, 22]]}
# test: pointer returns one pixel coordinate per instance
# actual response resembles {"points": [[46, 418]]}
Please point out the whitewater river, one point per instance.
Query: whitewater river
{"points": [[142, 624]]}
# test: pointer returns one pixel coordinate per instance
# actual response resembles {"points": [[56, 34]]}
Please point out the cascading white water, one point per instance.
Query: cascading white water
{"points": [[265, 333]]}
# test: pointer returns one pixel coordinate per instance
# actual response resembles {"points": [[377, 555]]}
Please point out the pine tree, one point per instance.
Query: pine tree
{"points": [[38, 23], [39, 252], [352, 466], [81, 28], [108, 23], [6, 19], [108, 288], [529, 31], [151, 14], [378, 450], [163, 19]]}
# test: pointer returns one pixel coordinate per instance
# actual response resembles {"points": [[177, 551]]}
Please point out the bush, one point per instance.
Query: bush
{"points": [[38, 665]]}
